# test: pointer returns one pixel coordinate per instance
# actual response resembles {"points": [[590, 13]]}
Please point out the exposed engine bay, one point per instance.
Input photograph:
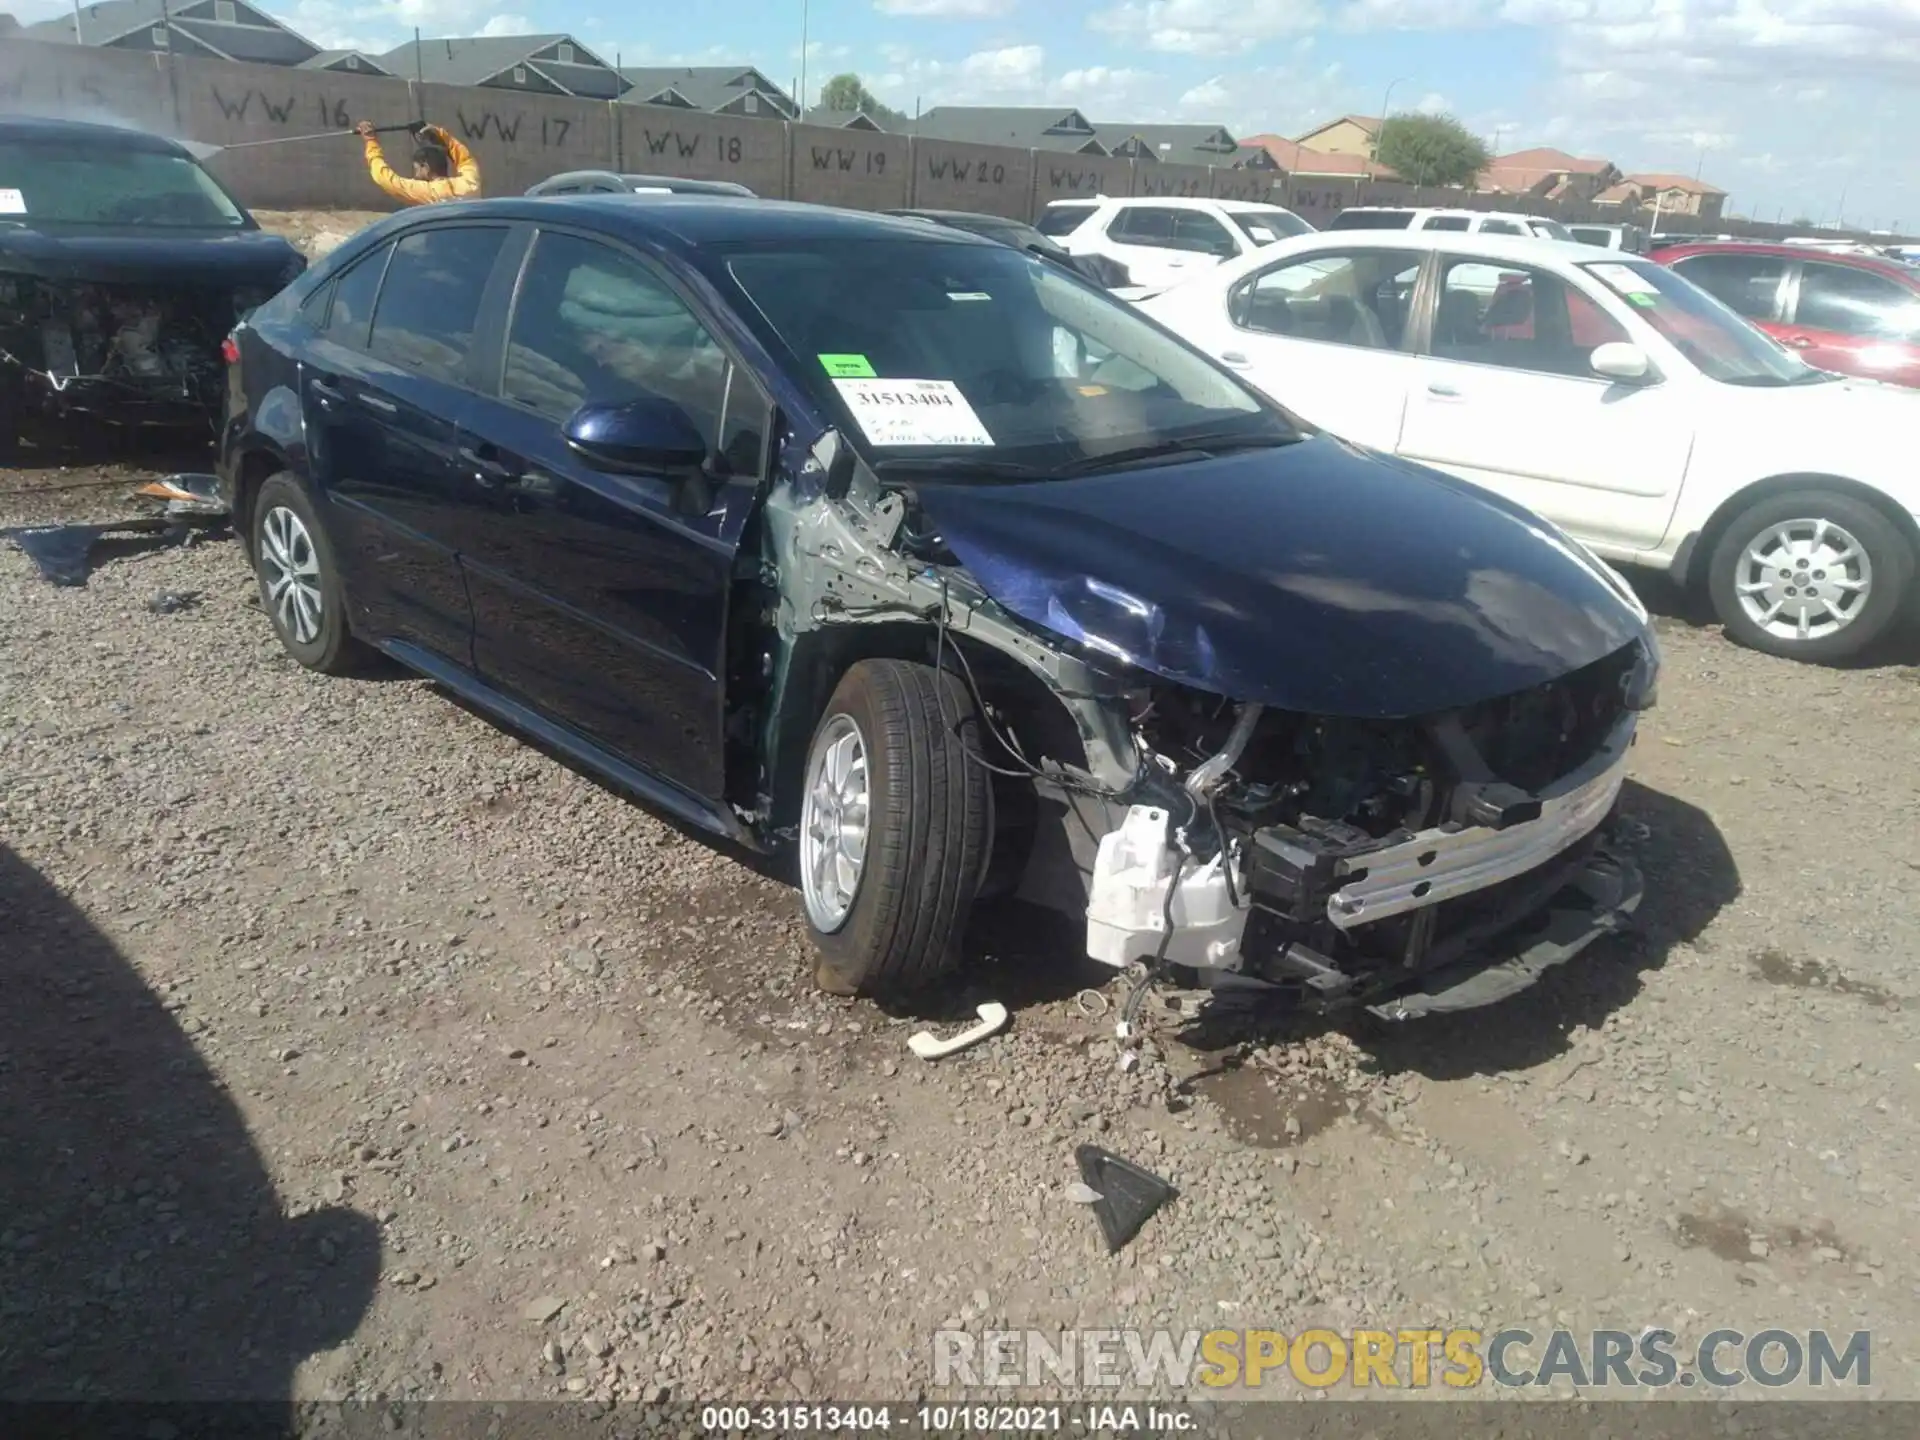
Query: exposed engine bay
{"points": [[1336, 861], [125, 353]]}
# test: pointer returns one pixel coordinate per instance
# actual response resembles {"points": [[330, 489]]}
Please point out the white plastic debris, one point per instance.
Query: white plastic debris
{"points": [[993, 1018], [1081, 1193]]}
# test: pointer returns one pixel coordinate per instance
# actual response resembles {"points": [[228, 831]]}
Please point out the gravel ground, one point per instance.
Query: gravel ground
{"points": [[352, 1047]]}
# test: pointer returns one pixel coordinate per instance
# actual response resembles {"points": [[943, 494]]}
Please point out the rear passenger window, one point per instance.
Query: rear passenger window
{"points": [[592, 326], [1446, 222], [1749, 285], [1500, 227], [431, 298], [352, 293]]}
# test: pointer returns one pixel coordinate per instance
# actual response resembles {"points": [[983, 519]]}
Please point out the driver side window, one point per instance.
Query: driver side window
{"points": [[594, 326]]}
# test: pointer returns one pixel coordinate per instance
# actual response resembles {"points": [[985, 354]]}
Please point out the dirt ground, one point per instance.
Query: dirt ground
{"points": [[315, 232], [351, 1047]]}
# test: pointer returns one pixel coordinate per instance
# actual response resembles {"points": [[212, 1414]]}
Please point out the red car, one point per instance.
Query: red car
{"points": [[1854, 314]]}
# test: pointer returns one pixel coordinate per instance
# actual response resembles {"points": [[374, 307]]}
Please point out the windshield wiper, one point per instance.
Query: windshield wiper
{"points": [[1172, 447], [959, 465]]}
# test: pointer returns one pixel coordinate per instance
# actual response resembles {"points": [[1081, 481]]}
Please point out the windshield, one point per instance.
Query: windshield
{"points": [[1552, 229], [1265, 226], [93, 184], [982, 354], [1062, 219], [1721, 345]]}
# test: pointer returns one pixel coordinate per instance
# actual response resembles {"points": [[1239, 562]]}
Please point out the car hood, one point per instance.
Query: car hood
{"points": [[1318, 577], [144, 255]]}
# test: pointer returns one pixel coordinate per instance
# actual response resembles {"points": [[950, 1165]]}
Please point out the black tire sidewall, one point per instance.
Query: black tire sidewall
{"points": [[330, 650], [905, 890], [1888, 552]]}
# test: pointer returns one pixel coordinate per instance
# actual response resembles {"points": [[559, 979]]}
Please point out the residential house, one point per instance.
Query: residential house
{"points": [[1289, 157], [533, 64], [1547, 174], [205, 29], [841, 119], [1172, 144], [1623, 196], [1032, 127], [346, 62], [1679, 195], [718, 89], [1349, 135]]}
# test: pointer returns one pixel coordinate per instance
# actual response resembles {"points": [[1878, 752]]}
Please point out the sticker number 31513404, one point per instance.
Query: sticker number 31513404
{"points": [[912, 412]]}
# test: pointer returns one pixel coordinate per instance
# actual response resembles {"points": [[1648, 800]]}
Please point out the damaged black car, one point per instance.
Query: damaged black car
{"points": [[123, 265], [934, 568]]}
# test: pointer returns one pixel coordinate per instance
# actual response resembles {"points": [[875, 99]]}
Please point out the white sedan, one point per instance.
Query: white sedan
{"points": [[1603, 392]]}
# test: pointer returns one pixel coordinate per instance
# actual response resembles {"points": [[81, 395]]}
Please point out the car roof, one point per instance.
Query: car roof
{"points": [[685, 221], [37, 127], [1517, 248], [978, 217], [1787, 252]]}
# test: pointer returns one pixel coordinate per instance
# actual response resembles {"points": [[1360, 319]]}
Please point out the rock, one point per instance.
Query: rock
{"points": [[542, 1310], [595, 1345]]}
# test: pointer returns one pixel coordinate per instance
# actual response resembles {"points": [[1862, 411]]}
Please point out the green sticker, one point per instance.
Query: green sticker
{"points": [[1643, 300], [849, 367]]}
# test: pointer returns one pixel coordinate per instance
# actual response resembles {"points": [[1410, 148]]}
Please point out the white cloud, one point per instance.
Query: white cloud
{"points": [[507, 25], [1206, 27], [946, 9]]}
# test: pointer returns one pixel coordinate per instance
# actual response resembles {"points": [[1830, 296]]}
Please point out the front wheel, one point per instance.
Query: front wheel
{"points": [[895, 827], [1811, 575]]}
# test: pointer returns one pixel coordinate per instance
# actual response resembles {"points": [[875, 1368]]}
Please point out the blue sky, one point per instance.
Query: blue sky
{"points": [[1796, 107]]}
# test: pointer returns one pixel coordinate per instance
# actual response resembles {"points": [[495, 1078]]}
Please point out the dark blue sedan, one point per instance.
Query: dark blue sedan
{"points": [[934, 568]]}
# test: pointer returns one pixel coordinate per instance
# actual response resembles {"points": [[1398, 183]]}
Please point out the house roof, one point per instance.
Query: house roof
{"points": [[1687, 183], [1030, 127], [327, 59], [841, 119], [1550, 161], [704, 87], [1175, 144], [1370, 124], [1296, 159], [473, 60], [1625, 193], [253, 35]]}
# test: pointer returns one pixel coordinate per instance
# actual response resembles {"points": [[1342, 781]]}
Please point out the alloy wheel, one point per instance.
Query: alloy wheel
{"points": [[1804, 579], [291, 568], [833, 824]]}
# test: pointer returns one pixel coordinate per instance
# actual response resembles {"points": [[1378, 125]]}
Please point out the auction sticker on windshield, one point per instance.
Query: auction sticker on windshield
{"points": [[12, 202], [912, 412]]}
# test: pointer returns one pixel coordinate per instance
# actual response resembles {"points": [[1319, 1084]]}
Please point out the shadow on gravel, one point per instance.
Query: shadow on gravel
{"points": [[143, 1252], [1690, 878]]}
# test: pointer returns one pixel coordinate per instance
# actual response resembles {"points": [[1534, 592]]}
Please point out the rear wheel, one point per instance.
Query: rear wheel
{"points": [[300, 585], [1810, 575], [895, 828]]}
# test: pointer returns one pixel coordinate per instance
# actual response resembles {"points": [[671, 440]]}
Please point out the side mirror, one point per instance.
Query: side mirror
{"points": [[649, 436], [1617, 360]]}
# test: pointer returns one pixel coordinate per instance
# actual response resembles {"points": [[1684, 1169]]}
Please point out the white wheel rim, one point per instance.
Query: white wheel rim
{"points": [[1803, 579], [290, 571], [833, 824]]}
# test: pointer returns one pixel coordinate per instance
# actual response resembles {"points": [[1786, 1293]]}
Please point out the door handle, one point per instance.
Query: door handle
{"points": [[325, 394], [1234, 357], [489, 470], [374, 402], [1444, 392]]}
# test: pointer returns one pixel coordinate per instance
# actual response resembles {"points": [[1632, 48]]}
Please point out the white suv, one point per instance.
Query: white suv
{"points": [[1162, 239], [1471, 222]]}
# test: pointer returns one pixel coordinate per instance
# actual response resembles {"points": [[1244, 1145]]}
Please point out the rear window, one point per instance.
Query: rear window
{"points": [[1063, 219], [1371, 220], [1445, 222], [1550, 229], [1593, 235]]}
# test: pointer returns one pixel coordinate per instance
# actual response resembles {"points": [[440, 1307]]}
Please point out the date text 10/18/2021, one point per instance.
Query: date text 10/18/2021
{"points": [[945, 1419]]}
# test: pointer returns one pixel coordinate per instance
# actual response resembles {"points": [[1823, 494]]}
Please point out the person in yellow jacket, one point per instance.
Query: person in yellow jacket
{"points": [[443, 168]]}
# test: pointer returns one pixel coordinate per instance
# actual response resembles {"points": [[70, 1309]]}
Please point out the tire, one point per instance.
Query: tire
{"points": [[1857, 542], [928, 831], [284, 529]]}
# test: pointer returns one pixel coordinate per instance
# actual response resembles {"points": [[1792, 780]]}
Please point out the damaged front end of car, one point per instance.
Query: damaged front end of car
{"points": [[1374, 854], [123, 354]]}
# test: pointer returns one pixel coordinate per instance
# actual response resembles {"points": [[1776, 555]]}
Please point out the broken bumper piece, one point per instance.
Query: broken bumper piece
{"points": [[1599, 899]]}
